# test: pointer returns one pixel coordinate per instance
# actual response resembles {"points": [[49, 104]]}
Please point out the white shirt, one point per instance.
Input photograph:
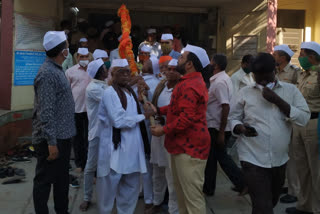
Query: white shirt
{"points": [[114, 54], [94, 94], [129, 156], [220, 92], [152, 82], [240, 79], [270, 148], [159, 154]]}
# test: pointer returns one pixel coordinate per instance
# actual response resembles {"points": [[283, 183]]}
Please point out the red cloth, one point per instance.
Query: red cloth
{"points": [[164, 59], [186, 127]]}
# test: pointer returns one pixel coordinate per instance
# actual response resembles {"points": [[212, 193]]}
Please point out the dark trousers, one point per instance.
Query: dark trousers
{"points": [[54, 173], [219, 154], [80, 141], [264, 185]]}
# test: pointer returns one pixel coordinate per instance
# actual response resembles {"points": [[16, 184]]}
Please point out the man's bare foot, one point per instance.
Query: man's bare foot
{"points": [[85, 206]]}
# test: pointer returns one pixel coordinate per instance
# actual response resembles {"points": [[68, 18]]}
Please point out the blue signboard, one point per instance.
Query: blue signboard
{"points": [[26, 66]]}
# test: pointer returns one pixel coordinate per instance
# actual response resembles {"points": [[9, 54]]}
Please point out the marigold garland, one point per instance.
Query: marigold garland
{"points": [[125, 46]]}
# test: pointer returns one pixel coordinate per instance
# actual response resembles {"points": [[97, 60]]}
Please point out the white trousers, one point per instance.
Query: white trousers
{"points": [[162, 177], [91, 167], [147, 184], [122, 187]]}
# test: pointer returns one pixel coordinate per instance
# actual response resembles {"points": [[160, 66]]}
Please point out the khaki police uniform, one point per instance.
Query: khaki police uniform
{"points": [[290, 74], [305, 145]]}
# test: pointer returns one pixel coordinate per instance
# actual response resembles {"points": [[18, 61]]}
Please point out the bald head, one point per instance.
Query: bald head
{"points": [[147, 67]]}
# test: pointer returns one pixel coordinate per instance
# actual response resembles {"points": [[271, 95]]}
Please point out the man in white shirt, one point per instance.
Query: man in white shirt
{"points": [[220, 93], [262, 117], [123, 144], [98, 72], [242, 77], [160, 158], [79, 79]]}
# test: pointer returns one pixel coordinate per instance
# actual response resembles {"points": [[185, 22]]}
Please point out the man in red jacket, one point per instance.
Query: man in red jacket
{"points": [[187, 137]]}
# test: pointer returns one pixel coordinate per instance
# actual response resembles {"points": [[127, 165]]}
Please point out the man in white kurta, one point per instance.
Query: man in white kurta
{"points": [[98, 72], [119, 168], [243, 77], [160, 158]]}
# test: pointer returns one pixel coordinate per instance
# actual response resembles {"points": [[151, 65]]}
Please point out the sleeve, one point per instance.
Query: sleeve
{"points": [[236, 111], [221, 92], [299, 110], [163, 110], [116, 113], [46, 94], [95, 93], [188, 105]]}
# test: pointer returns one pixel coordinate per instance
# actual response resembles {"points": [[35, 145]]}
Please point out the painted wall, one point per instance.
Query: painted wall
{"points": [[312, 8], [241, 20], [22, 96]]}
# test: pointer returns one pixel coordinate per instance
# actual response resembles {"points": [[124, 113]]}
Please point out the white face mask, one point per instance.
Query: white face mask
{"points": [[83, 63], [65, 56]]}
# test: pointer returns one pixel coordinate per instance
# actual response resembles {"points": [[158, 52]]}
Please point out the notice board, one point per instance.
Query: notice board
{"points": [[26, 66]]}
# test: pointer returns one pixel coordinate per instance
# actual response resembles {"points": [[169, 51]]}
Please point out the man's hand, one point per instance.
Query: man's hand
{"points": [[148, 112], [157, 130], [220, 140], [241, 129], [270, 95], [53, 153], [148, 105]]}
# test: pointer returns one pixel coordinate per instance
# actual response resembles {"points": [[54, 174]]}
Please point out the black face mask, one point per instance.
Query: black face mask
{"points": [[181, 68]]}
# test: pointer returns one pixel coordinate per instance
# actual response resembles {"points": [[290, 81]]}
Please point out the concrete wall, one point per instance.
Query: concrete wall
{"points": [[249, 18], [22, 96], [312, 19]]}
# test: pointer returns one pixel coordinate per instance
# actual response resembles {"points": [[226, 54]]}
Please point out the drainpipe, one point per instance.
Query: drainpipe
{"points": [[272, 24]]}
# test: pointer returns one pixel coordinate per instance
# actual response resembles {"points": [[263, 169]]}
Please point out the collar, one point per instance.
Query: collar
{"points": [[221, 73], [191, 75], [278, 84], [49, 60], [99, 81], [286, 68], [81, 68]]}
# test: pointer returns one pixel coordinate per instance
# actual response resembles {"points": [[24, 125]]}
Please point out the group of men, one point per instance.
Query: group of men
{"points": [[175, 140]]}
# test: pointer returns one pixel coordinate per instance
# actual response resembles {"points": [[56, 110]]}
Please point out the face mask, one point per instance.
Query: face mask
{"points": [[166, 49], [304, 62], [246, 70], [107, 64], [65, 56], [181, 68], [83, 63]]}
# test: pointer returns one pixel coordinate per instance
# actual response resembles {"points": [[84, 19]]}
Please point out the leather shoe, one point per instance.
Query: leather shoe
{"points": [[293, 210], [288, 199]]}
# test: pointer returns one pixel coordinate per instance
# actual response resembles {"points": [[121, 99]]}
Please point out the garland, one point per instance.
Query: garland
{"points": [[125, 46]]}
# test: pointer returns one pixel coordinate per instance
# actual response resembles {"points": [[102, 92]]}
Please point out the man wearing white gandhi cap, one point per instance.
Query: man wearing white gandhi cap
{"points": [[98, 72], [53, 126], [79, 79], [167, 46], [187, 138], [160, 158], [286, 72], [151, 42], [305, 140], [123, 144]]}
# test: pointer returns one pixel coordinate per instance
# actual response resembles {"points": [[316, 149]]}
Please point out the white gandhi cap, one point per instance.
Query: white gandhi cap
{"points": [[284, 48], [93, 67], [167, 36], [83, 40], [151, 30], [53, 38], [311, 46], [146, 49], [98, 53], [200, 53], [173, 62], [83, 51], [119, 63]]}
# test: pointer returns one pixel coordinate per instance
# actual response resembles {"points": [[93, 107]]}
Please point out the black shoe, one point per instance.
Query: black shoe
{"points": [[287, 199], [293, 210]]}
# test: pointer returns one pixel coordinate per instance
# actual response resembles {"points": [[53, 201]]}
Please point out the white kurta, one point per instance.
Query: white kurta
{"points": [[240, 80], [159, 154], [152, 81], [129, 156]]}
